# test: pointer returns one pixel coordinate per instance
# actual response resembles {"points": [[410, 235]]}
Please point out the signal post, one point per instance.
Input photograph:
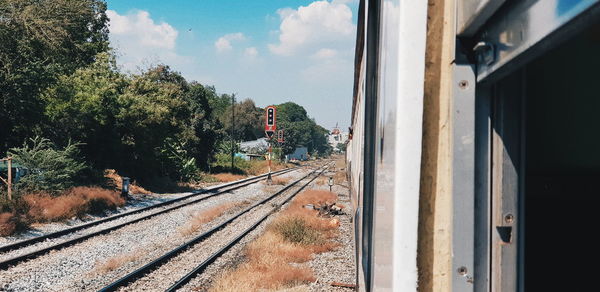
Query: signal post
{"points": [[270, 128]]}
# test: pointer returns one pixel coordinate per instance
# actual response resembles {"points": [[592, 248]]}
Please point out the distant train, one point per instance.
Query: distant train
{"points": [[475, 150]]}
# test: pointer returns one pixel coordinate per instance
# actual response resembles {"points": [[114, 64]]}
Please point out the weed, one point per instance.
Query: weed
{"points": [[279, 181], [296, 230], [200, 218], [74, 202], [7, 223], [339, 177], [228, 177], [117, 261], [295, 235]]}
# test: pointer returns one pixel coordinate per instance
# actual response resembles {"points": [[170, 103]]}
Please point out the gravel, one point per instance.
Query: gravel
{"points": [[234, 256], [76, 267], [338, 265], [137, 202]]}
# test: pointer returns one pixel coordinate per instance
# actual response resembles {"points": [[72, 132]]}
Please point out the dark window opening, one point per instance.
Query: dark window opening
{"points": [[562, 154]]}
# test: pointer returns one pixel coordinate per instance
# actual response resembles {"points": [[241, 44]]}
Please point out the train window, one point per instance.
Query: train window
{"points": [[545, 167], [562, 164]]}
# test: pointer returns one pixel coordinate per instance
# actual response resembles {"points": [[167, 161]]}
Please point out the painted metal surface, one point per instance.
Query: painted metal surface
{"points": [[506, 173], [398, 136], [370, 148], [472, 14], [522, 24], [463, 178], [482, 211]]}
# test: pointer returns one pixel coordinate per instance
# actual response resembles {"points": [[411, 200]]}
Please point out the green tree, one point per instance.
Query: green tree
{"points": [[152, 108], [83, 107], [49, 169], [248, 124], [300, 130], [206, 127], [39, 41]]}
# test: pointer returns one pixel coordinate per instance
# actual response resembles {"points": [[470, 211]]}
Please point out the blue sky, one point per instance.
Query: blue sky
{"points": [[272, 51]]}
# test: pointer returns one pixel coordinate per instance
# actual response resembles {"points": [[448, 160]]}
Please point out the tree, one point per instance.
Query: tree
{"points": [[205, 124], [152, 108], [83, 106], [341, 147], [248, 124], [49, 169], [300, 130], [39, 41]]}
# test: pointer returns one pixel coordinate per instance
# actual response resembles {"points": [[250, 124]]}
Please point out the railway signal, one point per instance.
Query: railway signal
{"points": [[270, 128], [270, 121], [280, 136]]}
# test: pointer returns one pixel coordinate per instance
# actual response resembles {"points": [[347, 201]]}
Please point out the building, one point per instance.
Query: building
{"points": [[259, 146], [301, 153], [336, 137]]}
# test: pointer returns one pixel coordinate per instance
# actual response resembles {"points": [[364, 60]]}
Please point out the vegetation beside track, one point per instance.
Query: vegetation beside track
{"points": [[76, 202], [69, 113], [293, 237]]}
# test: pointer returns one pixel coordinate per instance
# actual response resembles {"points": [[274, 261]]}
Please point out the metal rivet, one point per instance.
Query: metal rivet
{"points": [[462, 271], [463, 84], [509, 218]]}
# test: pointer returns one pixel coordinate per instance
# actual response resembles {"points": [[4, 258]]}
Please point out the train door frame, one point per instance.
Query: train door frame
{"points": [[494, 42]]}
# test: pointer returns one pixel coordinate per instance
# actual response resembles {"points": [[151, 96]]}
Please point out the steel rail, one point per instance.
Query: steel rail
{"points": [[233, 186], [63, 232], [138, 273], [202, 266]]}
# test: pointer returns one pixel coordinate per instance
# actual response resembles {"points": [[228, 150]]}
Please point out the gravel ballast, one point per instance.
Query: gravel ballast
{"points": [[76, 267], [339, 265]]}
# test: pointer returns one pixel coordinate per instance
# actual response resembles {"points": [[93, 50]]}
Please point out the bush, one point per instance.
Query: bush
{"points": [[49, 169], [73, 203], [10, 222], [223, 163], [179, 162], [295, 229]]}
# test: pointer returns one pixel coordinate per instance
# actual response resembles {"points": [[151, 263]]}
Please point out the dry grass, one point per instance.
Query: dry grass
{"points": [[199, 218], [295, 235], [117, 261], [321, 180], [258, 167], [280, 181], [8, 223], [340, 162], [228, 177], [74, 202], [117, 180], [312, 197], [339, 177]]}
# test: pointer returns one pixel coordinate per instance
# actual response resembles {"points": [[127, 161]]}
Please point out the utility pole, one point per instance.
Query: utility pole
{"points": [[9, 178], [232, 131]]}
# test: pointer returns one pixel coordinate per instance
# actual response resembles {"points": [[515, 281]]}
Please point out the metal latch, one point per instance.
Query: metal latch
{"points": [[485, 52]]}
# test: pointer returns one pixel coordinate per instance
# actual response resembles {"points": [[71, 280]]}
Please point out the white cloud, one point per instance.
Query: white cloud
{"points": [[140, 40], [139, 27], [224, 43], [325, 53], [320, 24], [251, 52]]}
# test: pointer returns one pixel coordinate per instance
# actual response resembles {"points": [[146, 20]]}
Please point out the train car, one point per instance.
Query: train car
{"points": [[474, 150]]}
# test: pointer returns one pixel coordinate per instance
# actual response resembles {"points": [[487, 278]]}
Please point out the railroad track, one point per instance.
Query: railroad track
{"points": [[156, 263], [209, 193]]}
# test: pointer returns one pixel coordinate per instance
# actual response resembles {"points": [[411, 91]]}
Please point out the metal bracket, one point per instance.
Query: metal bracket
{"points": [[463, 177], [485, 52]]}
